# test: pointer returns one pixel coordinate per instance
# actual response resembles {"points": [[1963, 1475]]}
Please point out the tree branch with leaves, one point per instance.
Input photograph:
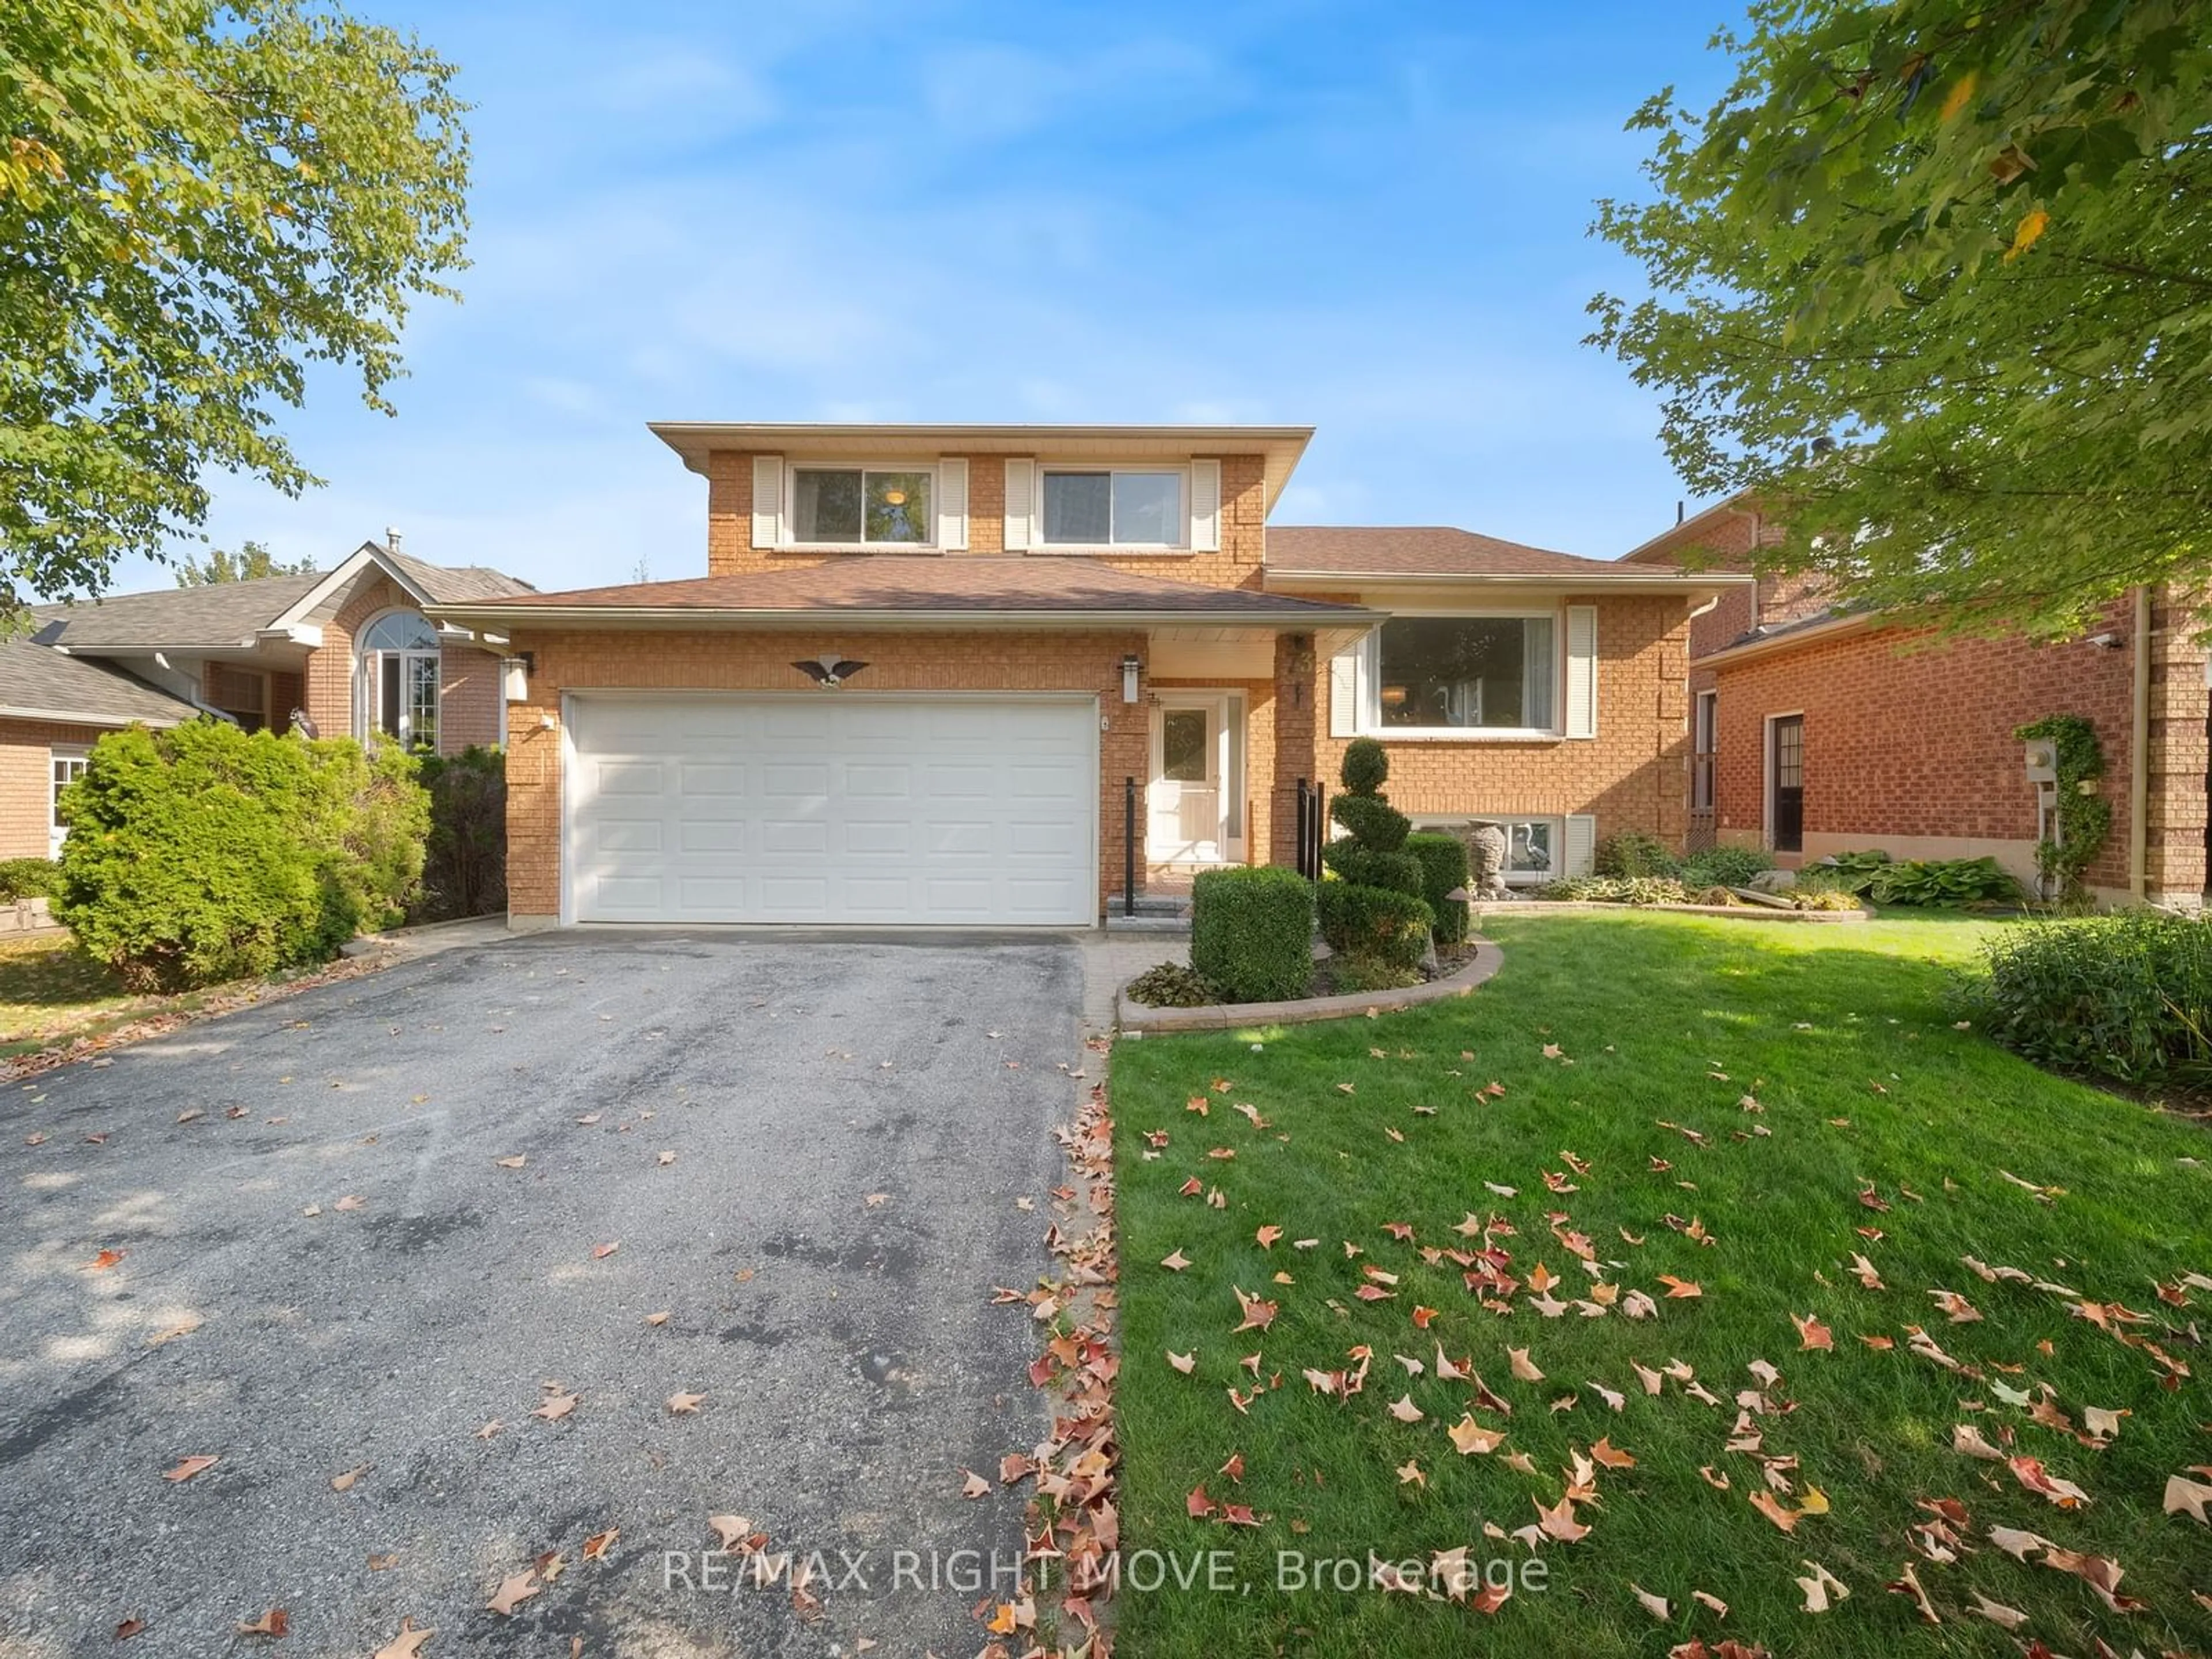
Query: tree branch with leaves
{"points": [[198, 201], [1933, 280]]}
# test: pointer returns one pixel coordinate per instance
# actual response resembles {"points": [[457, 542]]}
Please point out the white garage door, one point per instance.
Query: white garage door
{"points": [[833, 807]]}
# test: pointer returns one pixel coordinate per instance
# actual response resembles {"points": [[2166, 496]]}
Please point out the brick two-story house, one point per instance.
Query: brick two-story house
{"points": [[351, 648], [1818, 731], [931, 672]]}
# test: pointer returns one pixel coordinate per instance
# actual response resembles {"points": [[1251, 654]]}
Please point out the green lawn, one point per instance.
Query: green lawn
{"points": [[49, 992], [1840, 1035]]}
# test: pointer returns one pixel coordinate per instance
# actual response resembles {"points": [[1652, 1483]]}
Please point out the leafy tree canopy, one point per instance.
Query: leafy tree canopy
{"points": [[198, 200], [1933, 279], [252, 560]]}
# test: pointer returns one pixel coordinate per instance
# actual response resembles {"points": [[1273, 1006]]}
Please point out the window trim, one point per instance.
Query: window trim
{"points": [[57, 754], [1369, 712], [1045, 468], [791, 469], [368, 682]]}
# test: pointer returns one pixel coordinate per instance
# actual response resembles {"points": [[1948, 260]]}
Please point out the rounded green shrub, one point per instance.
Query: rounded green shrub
{"points": [[1171, 985], [1399, 872], [1372, 822], [1629, 854], [464, 857], [1375, 922], [27, 879], [1725, 866], [1251, 932], [1443, 870], [2127, 996], [205, 853], [1366, 765]]}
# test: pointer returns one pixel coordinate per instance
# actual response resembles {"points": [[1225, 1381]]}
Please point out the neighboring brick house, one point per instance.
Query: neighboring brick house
{"points": [[931, 669], [350, 648], [1816, 730]]}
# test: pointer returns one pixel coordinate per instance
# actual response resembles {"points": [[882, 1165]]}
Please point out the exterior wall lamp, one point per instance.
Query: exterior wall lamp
{"points": [[515, 675], [1129, 666]]}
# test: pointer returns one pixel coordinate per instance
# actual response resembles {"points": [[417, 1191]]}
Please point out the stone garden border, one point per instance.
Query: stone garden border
{"points": [[1135, 1019]]}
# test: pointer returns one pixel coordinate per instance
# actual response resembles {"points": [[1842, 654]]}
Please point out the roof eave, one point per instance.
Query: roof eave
{"points": [[1810, 633], [78, 717], [521, 617], [1702, 582]]}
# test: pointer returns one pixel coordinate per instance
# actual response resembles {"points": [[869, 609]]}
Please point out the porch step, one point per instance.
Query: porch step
{"points": [[1141, 923], [1153, 904]]}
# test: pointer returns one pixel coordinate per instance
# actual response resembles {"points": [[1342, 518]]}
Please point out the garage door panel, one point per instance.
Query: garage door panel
{"points": [[732, 809]]}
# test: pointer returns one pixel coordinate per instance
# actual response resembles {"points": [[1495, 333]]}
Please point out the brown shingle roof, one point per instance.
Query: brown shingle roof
{"points": [[219, 615], [36, 682], [1009, 585], [1420, 550]]}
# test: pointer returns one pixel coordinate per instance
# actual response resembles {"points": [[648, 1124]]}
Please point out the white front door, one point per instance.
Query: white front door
{"points": [[1192, 801], [834, 806]]}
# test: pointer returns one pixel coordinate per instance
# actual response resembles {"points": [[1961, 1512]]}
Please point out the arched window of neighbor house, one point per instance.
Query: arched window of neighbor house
{"points": [[399, 674]]}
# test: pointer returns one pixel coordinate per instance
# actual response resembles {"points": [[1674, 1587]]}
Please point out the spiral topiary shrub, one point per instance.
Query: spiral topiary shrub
{"points": [[1375, 924]]}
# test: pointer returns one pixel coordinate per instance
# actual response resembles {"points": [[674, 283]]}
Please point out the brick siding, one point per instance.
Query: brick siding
{"points": [[26, 782], [1909, 735]]}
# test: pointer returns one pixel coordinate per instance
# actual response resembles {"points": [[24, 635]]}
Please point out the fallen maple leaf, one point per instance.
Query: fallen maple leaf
{"points": [[1909, 1584], [514, 1163], [660, 1318], [1996, 1613], [1409, 1474], [1605, 1453], [129, 1628], [1823, 1589], [275, 1622], [600, 1543], [1471, 1437], [1175, 1262], [344, 1482], [1185, 1363], [975, 1486], [1524, 1367], [730, 1530], [103, 1260], [1197, 1504], [680, 1405], [513, 1592], [601, 1252], [1812, 1334], [1680, 1287], [1405, 1410], [2187, 1497], [1657, 1605], [1559, 1521], [1268, 1236], [1258, 1315], [191, 1467], [350, 1202], [556, 1407], [1773, 1509], [407, 1644]]}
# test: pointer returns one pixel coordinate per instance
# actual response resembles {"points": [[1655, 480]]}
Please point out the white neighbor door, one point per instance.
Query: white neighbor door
{"points": [[831, 806], [1191, 796]]}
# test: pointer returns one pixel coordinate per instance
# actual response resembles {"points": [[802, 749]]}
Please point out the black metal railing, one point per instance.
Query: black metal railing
{"points": [[1129, 846], [1313, 828]]}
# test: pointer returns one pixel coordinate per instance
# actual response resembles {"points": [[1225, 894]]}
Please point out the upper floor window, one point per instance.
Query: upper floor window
{"points": [[1467, 673], [858, 505], [1114, 507], [401, 668]]}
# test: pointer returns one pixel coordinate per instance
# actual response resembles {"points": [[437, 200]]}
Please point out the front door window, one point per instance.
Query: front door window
{"points": [[1191, 803]]}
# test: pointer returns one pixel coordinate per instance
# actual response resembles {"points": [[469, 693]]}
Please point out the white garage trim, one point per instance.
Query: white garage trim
{"points": [[747, 896]]}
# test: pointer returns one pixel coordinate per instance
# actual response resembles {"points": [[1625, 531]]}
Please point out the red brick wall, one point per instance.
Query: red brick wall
{"points": [[1909, 736], [469, 686], [761, 661], [730, 549], [469, 693]]}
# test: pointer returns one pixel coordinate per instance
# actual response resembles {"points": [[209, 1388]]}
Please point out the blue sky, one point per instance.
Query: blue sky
{"points": [[1371, 219]]}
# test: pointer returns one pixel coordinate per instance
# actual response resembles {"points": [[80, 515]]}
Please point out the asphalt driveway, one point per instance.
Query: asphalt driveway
{"points": [[815, 1156]]}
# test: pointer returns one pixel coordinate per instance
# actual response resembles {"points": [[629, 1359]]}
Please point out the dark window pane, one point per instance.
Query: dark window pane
{"points": [[1470, 672], [387, 696], [1182, 745], [898, 507], [1078, 507], [825, 506]]}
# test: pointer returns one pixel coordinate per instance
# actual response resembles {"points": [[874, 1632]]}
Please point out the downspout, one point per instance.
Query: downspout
{"points": [[2139, 757]]}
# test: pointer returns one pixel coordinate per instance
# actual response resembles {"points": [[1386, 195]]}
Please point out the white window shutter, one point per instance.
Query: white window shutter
{"points": [[1344, 679], [952, 503], [767, 501], [1581, 844], [1582, 671], [1021, 503], [1206, 507]]}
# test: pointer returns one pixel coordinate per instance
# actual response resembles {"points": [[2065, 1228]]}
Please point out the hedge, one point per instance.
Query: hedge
{"points": [[205, 853], [27, 879], [465, 858], [1251, 932], [1443, 870], [1375, 922], [1399, 872]]}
